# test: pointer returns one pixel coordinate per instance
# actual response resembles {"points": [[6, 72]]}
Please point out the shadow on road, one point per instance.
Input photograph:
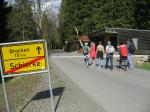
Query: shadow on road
{"points": [[46, 94], [122, 67]]}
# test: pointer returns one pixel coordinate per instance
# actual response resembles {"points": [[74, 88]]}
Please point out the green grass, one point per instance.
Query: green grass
{"points": [[145, 66], [18, 91]]}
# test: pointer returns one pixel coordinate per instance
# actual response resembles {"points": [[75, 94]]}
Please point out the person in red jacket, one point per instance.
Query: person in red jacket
{"points": [[123, 52], [93, 52]]}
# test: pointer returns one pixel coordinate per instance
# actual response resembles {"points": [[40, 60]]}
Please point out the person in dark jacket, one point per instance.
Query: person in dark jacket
{"points": [[131, 50]]}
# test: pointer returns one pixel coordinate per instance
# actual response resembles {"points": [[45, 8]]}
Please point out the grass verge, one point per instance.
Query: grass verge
{"points": [[145, 66], [19, 89]]}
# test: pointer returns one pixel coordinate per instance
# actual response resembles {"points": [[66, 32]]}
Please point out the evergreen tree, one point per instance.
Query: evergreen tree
{"points": [[4, 10], [92, 15], [67, 19], [115, 13], [142, 14]]}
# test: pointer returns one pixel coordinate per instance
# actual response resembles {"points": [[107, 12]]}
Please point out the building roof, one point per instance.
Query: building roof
{"points": [[84, 38], [102, 33], [122, 32]]}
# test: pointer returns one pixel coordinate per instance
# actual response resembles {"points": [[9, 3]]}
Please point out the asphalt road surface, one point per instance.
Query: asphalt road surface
{"points": [[115, 91]]}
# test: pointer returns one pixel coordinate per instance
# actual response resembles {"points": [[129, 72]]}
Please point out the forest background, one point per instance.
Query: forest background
{"points": [[36, 19]]}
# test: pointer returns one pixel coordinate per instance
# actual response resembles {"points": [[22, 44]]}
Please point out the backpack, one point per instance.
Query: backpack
{"points": [[123, 51], [85, 50], [110, 50]]}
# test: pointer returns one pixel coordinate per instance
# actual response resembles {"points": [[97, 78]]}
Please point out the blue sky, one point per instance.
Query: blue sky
{"points": [[56, 4]]}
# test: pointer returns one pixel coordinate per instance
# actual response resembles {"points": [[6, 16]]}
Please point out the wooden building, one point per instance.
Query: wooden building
{"points": [[140, 38]]}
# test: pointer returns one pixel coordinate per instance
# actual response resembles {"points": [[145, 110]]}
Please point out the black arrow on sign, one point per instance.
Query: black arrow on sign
{"points": [[38, 49]]}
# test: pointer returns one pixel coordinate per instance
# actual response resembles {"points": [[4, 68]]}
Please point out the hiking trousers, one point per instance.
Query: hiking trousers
{"points": [[109, 59], [130, 60]]}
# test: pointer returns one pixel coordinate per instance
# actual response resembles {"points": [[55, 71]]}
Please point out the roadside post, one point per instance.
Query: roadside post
{"points": [[78, 36], [24, 58]]}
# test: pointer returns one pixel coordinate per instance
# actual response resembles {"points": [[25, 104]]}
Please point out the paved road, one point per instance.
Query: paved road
{"points": [[115, 91]]}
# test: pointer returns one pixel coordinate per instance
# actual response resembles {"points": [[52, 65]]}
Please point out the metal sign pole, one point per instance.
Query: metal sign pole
{"points": [[4, 87], [41, 53], [50, 85], [5, 94]]}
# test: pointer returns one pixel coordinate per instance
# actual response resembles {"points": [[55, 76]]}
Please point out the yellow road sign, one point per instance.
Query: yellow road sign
{"points": [[22, 51], [24, 65], [23, 57]]}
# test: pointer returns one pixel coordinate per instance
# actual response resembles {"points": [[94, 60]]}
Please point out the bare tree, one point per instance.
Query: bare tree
{"points": [[41, 8], [46, 20]]}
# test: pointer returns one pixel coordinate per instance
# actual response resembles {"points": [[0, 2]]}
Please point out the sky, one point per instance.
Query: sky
{"points": [[57, 2], [9, 1], [56, 5]]}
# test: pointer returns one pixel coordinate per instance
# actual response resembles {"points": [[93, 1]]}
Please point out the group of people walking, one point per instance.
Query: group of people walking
{"points": [[100, 52]]}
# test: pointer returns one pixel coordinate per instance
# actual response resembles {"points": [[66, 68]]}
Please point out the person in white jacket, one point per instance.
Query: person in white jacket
{"points": [[109, 55]]}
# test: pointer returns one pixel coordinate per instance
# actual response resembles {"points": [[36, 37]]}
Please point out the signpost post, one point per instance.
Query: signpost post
{"points": [[24, 58]]}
